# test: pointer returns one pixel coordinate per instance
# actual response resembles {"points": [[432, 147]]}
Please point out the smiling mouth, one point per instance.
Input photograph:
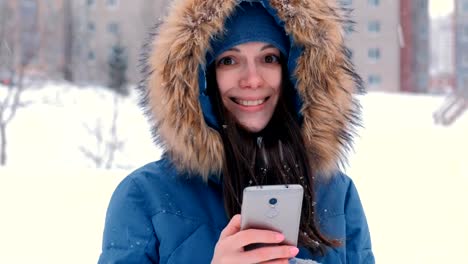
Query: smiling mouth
{"points": [[249, 102]]}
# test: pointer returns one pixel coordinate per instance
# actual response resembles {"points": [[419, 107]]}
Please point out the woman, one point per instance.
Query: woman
{"points": [[243, 93]]}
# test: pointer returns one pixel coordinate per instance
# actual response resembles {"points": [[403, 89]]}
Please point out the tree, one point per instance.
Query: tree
{"points": [[118, 63], [107, 139], [107, 143], [68, 40], [15, 57]]}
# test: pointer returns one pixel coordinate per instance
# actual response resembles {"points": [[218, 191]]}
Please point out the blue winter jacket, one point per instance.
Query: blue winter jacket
{"points": [[157, 216]]}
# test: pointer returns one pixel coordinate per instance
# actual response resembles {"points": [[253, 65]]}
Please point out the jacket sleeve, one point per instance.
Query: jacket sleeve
{"points": [[358, 242], [128, 233]]}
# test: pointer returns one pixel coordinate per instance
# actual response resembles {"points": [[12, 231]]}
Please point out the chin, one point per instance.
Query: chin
{"points": [[254, 128]]}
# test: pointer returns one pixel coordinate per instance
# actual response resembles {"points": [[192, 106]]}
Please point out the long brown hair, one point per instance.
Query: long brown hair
{"points": [[275, 155]]}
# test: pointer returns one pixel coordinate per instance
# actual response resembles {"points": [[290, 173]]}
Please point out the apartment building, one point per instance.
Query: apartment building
{"points": [[415, 55], [442, 46], [105, 23], [375, 44], [390, 43], [461, 46], [31, 38], [72, 39]]}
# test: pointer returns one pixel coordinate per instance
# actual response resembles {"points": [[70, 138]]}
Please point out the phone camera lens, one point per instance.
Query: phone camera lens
{"points": [[273, 201]]}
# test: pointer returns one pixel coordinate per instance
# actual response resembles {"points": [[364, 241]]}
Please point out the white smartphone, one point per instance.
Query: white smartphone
{"points": [[273, 207]]}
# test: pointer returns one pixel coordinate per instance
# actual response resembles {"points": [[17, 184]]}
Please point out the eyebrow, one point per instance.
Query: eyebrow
{"points": [[269, 46], [233, 49]]}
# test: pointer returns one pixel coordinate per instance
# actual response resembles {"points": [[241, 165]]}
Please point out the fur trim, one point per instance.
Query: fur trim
{"points": [[325, 81]]}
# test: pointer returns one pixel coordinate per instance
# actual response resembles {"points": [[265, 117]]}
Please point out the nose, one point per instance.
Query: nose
{"points": [[252, 77]]}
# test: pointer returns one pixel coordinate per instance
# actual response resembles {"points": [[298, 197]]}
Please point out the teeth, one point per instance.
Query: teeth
{"points": [[250, 103]]}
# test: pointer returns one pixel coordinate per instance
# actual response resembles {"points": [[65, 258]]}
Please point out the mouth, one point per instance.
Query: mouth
{"points": [[249, 103]]}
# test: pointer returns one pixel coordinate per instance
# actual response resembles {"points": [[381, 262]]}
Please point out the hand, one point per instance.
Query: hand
{"points": [[231, 243]]}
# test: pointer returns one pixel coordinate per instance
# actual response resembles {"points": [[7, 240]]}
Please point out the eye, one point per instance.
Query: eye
{"points": [[226, 61], [272, 59]]}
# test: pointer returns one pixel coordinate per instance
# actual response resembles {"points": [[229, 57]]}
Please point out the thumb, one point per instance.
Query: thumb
{"points": [[232, 227]]}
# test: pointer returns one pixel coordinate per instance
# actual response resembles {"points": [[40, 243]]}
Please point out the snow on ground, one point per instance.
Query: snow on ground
{"points": [[53, 216], [55, 130], [411, 174], [413, 180]]}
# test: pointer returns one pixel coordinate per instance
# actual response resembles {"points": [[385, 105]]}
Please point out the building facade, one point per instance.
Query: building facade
{"points": [[415, 55], [374, 43], [31, 39], [390, 44], [105, 23], [461, 46], [442, 46], [73, 39]]}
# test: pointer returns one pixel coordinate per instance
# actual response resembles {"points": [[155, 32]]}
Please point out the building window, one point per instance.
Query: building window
{"points": [[348, 29], [112, 3], [423, 5], [346, 3], [374, 80], [422, 83], [91, 27], [465, 33], [423, 32], [113, 28], [465, 6], [91, 55], [373, 26], [465, 60], [373, 54], [373, 2]]}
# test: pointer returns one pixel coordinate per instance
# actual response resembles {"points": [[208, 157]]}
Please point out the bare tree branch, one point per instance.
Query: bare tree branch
{"points": [[26, 27], [3, 144], [107, 143], [14, 105], [111, 146], [95, 158]]}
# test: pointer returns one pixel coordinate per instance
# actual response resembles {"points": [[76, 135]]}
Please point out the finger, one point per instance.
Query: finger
{"points": [[270, 254], [232, 227], [251, 236]]}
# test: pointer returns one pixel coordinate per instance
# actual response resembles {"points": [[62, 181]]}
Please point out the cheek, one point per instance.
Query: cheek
{"points": [[276, 81], [223, 80]]}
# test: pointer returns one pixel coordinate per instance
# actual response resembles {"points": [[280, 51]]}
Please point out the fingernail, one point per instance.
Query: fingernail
{"points": [[294, 251], [280, 237]]}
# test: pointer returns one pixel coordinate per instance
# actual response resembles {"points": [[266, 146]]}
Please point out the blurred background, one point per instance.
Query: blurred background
{"points": [[71, 128]]}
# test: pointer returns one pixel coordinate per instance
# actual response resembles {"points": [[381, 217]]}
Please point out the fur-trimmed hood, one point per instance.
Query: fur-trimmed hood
{"points": [[173, 89]]}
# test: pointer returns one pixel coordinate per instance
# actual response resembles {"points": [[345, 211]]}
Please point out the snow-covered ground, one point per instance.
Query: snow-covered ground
{"points": [[411, 174], [413, 180]]}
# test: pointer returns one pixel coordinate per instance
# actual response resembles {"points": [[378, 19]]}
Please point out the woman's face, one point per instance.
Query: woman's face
{"points": [[249, 81]]}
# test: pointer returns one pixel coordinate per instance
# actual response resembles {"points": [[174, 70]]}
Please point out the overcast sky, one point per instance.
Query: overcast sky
{"points": [[440, 7]]}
